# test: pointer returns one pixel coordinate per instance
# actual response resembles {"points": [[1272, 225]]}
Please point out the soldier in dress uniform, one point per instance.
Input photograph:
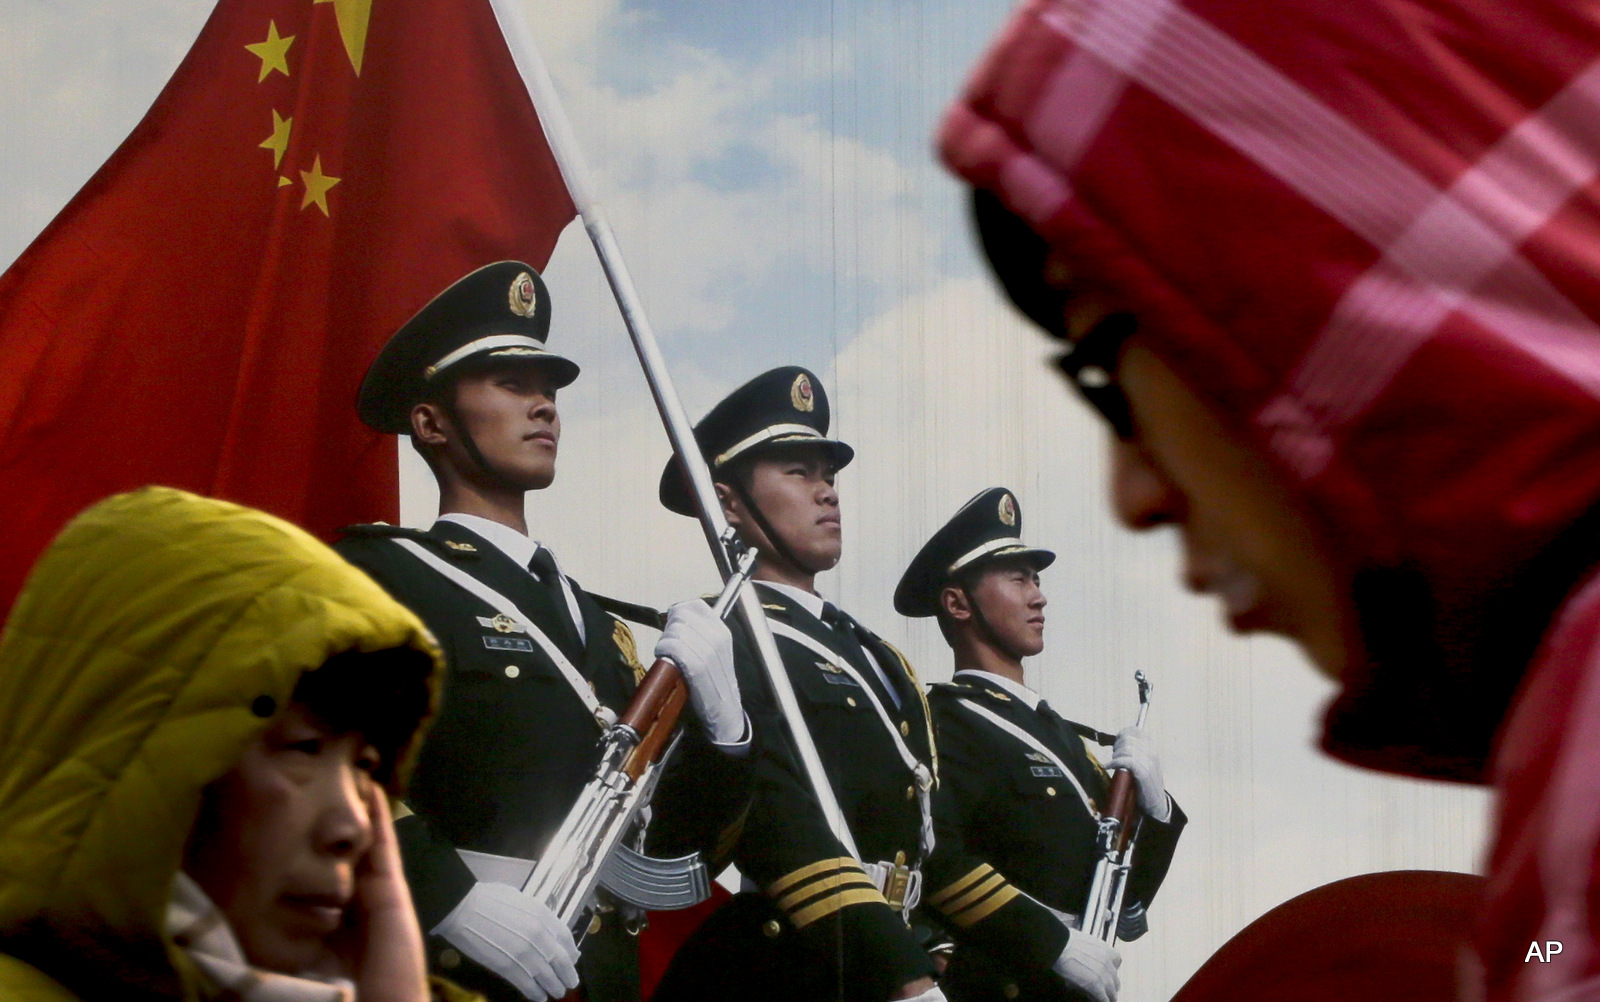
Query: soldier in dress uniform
{"points": [[821, 919], [1020, 788], [537, 667]]}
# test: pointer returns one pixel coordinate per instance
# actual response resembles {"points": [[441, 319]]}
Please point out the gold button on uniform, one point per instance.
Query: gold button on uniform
{"points": [[449, 959], [594, 925], [512, 671], [1011, 991], [911, 793], [905, 729], [770, 928], [851, 700], [1050, 791]]}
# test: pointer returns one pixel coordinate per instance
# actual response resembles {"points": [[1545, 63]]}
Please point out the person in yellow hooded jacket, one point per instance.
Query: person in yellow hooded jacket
{"points": [[201, 709]]}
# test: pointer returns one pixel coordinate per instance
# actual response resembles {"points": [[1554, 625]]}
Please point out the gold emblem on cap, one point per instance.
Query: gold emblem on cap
{"points": [[1008, 510], [524, 296], [800, 394]]}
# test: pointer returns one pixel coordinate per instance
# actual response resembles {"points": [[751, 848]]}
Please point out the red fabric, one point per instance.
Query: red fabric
{"points": [[1381, 936], [189, 319], [1368, 233], [667, 932]]}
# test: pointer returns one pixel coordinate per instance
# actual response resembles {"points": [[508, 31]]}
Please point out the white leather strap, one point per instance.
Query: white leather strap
{"points": [[924, 775], [603, 715], [1034, 743]]}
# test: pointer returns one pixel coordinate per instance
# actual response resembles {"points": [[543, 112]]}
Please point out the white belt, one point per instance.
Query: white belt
{"points": [[901, 885]]}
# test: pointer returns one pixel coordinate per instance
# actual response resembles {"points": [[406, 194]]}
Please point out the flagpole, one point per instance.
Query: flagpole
{"points": [[564, 146]]}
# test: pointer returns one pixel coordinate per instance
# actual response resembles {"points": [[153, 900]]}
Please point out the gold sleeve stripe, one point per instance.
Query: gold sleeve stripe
{"points": [[834, 902], [978, 912], [960, 885], [788, 880], [815, 887], [976, 894]]}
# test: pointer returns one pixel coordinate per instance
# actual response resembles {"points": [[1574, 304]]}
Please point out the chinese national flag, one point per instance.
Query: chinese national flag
{"points": [[201, 314]]}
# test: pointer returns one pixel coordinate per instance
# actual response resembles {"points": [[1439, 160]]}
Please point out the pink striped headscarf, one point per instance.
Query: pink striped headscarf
{"points": [[1366, 231]]}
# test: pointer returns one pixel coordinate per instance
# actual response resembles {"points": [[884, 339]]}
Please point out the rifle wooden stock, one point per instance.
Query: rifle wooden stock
{"points": [[653, 714], [1122, 804]]}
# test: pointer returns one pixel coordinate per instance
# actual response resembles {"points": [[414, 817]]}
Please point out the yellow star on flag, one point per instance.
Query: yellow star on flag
{"points": [[273, 52], [317, 185], [279, 140], [352, 16]]}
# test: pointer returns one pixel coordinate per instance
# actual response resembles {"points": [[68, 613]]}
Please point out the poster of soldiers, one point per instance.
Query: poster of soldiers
{"points": [[661, 499]]}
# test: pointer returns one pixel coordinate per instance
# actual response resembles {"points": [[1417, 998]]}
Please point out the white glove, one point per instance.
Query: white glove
{"points": [[1090, 966], [516, 937], [1135, 752], [700, 644], [934, 994]]}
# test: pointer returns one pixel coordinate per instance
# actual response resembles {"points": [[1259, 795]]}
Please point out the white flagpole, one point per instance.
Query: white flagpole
{"points": [[558, 133]]}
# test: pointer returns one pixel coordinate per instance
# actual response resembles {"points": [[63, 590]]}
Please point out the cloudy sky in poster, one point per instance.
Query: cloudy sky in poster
{"points": [[767, 168]]}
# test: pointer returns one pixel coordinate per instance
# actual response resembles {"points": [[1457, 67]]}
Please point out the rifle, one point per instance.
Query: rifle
{"points": [[587, 851], [1114, 841]]}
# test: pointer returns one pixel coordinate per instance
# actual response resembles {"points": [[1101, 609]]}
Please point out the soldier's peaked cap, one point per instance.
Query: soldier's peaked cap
{"points": [[500, 312], [987, 528], [782, 407]]}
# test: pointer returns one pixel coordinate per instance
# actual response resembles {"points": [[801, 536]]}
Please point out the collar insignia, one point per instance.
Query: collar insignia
{"points": [[825, 666], [999, 695], [1034, 756], [460, 547]]}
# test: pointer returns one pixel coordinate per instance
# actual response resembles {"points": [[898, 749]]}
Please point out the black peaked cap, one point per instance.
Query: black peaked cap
{"points": [[781, 407], [501, 312], [989, 527]]}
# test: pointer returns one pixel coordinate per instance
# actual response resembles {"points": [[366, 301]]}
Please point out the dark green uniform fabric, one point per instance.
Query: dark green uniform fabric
{"points": [[1015, 815], [816, 931], [513, 745]]}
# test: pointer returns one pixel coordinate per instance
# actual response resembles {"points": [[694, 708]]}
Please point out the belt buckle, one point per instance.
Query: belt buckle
{"points": [[896, 882]]}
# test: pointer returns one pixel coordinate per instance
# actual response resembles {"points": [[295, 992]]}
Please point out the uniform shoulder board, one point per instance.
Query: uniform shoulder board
{"points": [[383, 530], [1098, 737], [633, 612]]}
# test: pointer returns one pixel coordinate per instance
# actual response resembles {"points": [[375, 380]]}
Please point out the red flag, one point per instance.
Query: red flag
{"points": [[201, 314]]}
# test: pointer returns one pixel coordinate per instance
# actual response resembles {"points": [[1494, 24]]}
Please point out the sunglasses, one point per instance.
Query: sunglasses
{"points": [[1018, 256], [1090, 365]]}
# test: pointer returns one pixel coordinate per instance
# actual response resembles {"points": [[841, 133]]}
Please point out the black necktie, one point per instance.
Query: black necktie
{"points": [[543, 566], [848, 633]]}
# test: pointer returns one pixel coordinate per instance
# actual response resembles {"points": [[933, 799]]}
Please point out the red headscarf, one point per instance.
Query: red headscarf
{"points": [[1367, 233]]}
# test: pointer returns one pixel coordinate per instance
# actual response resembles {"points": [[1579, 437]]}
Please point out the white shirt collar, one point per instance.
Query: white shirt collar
{"points": [[1024, 695], [809, 601], [507, 540], [520, 549]]}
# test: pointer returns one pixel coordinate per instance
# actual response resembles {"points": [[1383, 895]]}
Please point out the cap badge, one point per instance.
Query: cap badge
{"points": [[524, 296], [1008, 510], [800, 394]]}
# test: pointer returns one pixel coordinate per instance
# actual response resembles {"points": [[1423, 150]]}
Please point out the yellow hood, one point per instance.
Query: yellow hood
{"points": [[128, 671]]}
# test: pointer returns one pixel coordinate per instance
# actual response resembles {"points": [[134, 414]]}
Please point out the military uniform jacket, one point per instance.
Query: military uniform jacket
{"points": [[513, 745], [1024, 827], [820, 929]]}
